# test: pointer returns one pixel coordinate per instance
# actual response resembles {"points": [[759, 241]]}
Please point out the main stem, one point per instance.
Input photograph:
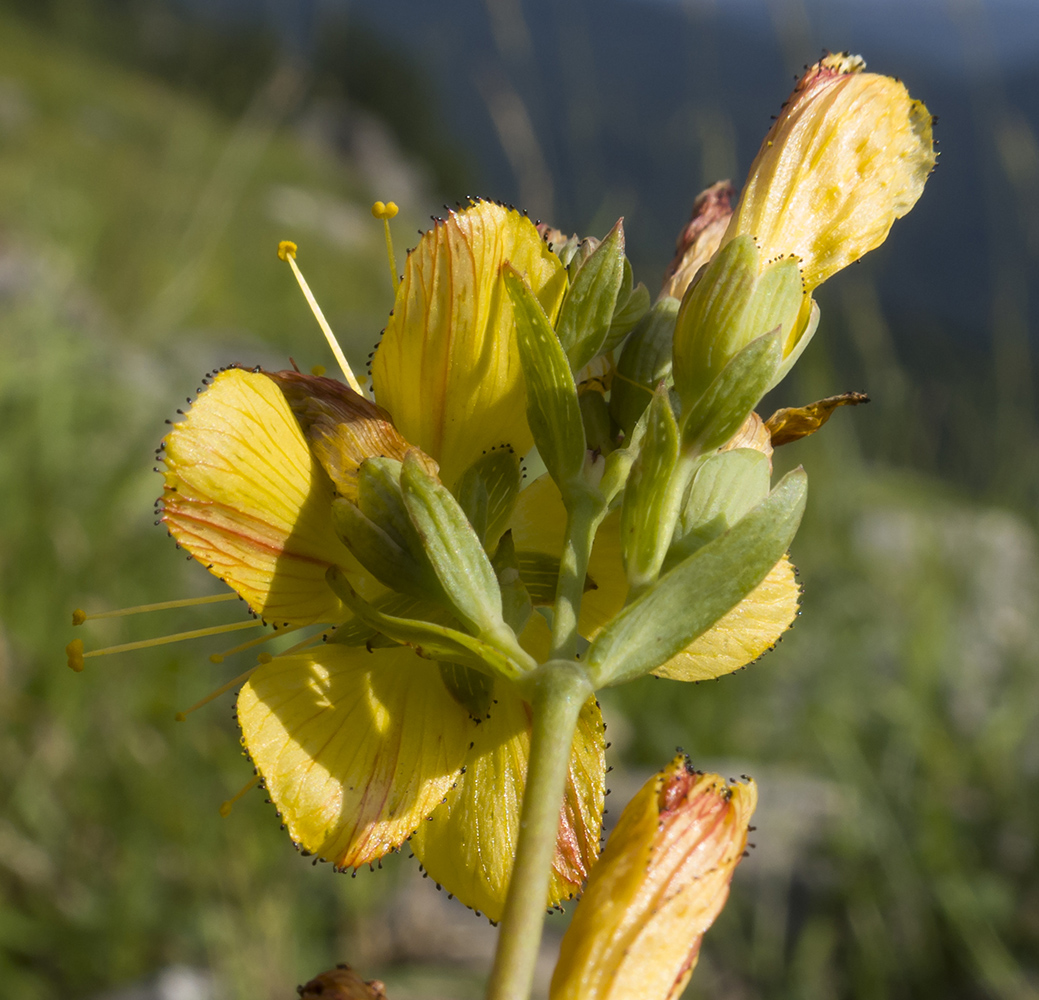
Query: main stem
{"points": [[560, 689]]}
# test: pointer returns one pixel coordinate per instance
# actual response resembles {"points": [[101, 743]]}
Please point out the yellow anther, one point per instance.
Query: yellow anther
{"points": [[318, 370], [385, 209], [286, 249], [79, 616], [264, 658], [74, 651], [215, 658], [226, 807]]}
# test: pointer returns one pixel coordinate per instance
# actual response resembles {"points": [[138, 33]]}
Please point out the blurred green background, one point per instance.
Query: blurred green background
{"points": [[152, 154]]}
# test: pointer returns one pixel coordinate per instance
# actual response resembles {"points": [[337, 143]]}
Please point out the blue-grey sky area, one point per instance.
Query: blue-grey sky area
{"points": [[589, 109]]}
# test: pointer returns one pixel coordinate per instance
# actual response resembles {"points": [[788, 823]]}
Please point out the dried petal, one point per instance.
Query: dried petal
{"points": [[793, 422], [700, 238]]}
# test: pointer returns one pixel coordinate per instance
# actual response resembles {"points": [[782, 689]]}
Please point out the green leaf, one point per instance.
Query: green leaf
{"points": [[687, 601], [553, 411], [731, 397], [650, 505], [588, 308], [453, 549], [435, 642], [644, 363], [727, 487]]}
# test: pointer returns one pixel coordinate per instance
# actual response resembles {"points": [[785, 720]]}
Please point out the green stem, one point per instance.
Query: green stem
{"points": [[582, 520], [560, 690]]}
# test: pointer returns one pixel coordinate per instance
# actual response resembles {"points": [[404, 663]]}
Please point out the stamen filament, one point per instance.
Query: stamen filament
{"points": [[79, 616], [386, 211], [258, 641], [309, 641], [227, 806], [223, 689], [162, 640], [287, 252]]}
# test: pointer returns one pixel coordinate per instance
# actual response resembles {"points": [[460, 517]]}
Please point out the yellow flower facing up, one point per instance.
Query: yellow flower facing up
{"points": [[659, 885]]}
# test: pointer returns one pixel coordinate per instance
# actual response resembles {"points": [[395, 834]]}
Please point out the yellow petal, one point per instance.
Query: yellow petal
{"points": [[244, 495], [538, 524], [660, 883], [448, 368], [356, 748], [469, 844], [342, 427], [748, 631], [848, 155]]}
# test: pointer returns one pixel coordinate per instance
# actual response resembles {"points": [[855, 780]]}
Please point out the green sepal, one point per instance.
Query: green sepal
{"points": [[651, 505], [378, 531], [726, 487], [471, 688], [515, 600], [432, 641], [687, 601], [735, 301], [732, 396], [453, 548], [619, 462], [487, 493], [644, 363], [632, 304], [587, 312], [357, 632], [553, 411], [599, 430]]}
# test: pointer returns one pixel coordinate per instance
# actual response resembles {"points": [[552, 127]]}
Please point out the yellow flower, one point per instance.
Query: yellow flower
{"points": [[660, 883], [848, 155], [361, 748]]}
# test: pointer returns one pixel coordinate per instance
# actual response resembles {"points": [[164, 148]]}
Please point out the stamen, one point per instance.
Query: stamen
{"points": [[79, 615], [76, 656], [386, 211], [258, 641], [226, 807], [287, 252], [223, 689]]}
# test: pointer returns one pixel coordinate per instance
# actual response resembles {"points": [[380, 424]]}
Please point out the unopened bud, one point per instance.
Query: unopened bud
{"points": [[660, 883]]}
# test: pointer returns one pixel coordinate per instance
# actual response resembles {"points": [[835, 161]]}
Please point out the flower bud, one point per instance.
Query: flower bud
{"points": [[848, 155], [700, 239], [660, 883]]}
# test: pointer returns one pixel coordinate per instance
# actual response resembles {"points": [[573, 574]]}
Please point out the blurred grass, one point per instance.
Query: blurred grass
{"points": [[894, 732]]}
